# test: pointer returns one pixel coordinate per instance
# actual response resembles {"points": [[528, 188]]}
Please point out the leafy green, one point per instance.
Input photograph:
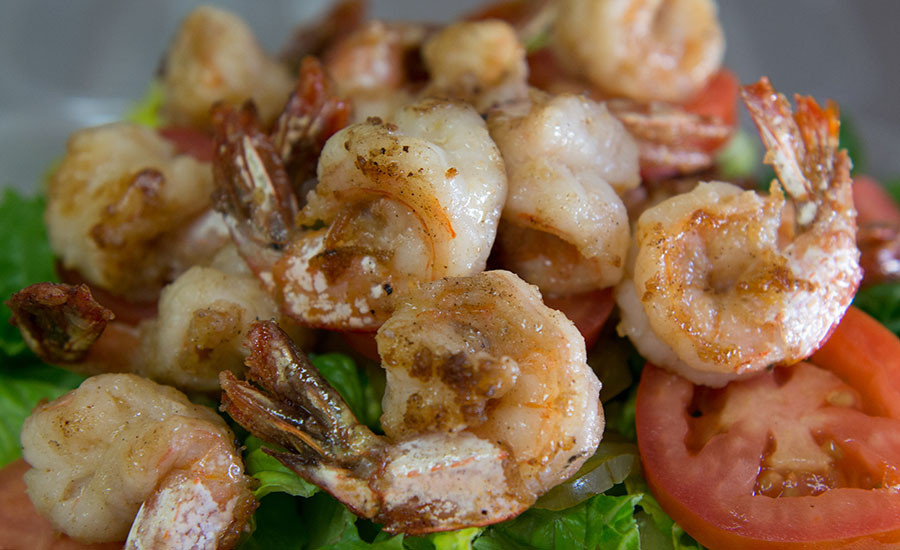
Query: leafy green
{"points": [[147, 110], [881, 302], [273, 476], [740, 157], [850, 140], [25, 258]]}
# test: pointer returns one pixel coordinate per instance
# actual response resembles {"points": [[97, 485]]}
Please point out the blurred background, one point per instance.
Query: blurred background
{"points": [[65, 65]]}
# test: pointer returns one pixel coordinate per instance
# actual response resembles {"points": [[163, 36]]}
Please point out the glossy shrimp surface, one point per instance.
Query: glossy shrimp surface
{"points": [[727, 282], [564, 226], [119, 202], [480, 62], [489, 403], [122, 457], [641, 49], [214, 57], [396, 202]]}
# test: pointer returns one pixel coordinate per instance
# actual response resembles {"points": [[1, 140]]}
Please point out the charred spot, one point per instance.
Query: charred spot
{"points": [[388, 289], [406, 148], [422, 364]]}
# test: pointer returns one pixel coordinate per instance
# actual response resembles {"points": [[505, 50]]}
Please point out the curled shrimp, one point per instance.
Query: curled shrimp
{"points": [[641, 49], [564, 226], [396, 202], [197, 332], [215, 57], [727, 282], [376, 67], [121, 456], [480, 62], [489, 403], [123, 209]]}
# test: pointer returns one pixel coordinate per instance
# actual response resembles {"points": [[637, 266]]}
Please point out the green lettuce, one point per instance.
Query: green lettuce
{"points": [[25, 258]]}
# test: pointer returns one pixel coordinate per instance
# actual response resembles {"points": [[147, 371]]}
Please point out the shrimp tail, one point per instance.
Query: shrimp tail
{"points": [[59, 322], [252, 187], [312, 115], [802, 147], [298, 410]]}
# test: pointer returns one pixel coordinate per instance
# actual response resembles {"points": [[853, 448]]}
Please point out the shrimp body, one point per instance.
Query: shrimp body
{"points": [[124, 457], [122, 207], [565, 228], [641, 49], [396, 203], [489, 403], [480, 62], [733, 281], [214, 57]]}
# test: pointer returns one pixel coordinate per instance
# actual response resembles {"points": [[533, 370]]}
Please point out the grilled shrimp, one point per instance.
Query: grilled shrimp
{"points": [[214, 57], [641, 49], [198, 331], [128, 213], [564, 227], [489, 403], [727, 282], [375, 67], [480, 62], [396, 203], [124, 457]]}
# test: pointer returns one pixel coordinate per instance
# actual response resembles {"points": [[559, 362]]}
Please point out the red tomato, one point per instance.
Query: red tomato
{"points": [[21, 528], [873, 203], [799, 457], [588, 310], [189, 141], [718, 99]]}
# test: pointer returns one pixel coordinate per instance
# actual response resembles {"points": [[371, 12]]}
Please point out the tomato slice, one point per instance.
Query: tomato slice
{"points": [[588, 310], [873, 203], [189, 141], [798, 457], [718, 99]]}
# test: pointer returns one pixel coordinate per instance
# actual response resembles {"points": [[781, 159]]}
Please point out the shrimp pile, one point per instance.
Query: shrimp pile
{"points": [[430, 185], [415, 199], [490, 402], [726, 282], [124, 457]]}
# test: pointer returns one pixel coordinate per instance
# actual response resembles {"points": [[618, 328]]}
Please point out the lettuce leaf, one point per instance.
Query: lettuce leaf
{"points": [[353, 384]]}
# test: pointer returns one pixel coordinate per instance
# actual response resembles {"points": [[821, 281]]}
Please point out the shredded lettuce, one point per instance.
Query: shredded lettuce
{"points": [[25, 258]]}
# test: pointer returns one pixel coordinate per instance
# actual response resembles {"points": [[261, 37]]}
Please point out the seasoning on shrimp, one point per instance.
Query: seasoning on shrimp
{"points": [[727, 282], [564, 226], [405, 201], [489, 403], [124, 457]]}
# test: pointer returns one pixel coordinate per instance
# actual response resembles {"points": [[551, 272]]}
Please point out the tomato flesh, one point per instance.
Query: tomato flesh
{"points": [[798, 457]]}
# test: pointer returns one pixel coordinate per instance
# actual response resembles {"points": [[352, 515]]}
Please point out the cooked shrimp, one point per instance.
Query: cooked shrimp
{"points": [[641, 49], [214, 57], [124, 457], [412, 200], [489, 403], [480, 62], [122, 207], [374, 67], [198, 331], [727, 282], [564, 226]]}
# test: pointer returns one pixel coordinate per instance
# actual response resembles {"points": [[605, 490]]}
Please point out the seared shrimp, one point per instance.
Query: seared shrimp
{"points": [[641, 49], [564, 226], [480, 62], [122, 209], [214, 57], [727, 282], [374, 67], [124, 457], [198, 331], [489, 403], [412, 200]]}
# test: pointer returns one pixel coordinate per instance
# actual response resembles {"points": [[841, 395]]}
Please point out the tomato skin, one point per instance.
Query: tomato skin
{"points": [[189, 141], [588, 310], [873, 203], [21, 528], [718, 99], [708, 491]]}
